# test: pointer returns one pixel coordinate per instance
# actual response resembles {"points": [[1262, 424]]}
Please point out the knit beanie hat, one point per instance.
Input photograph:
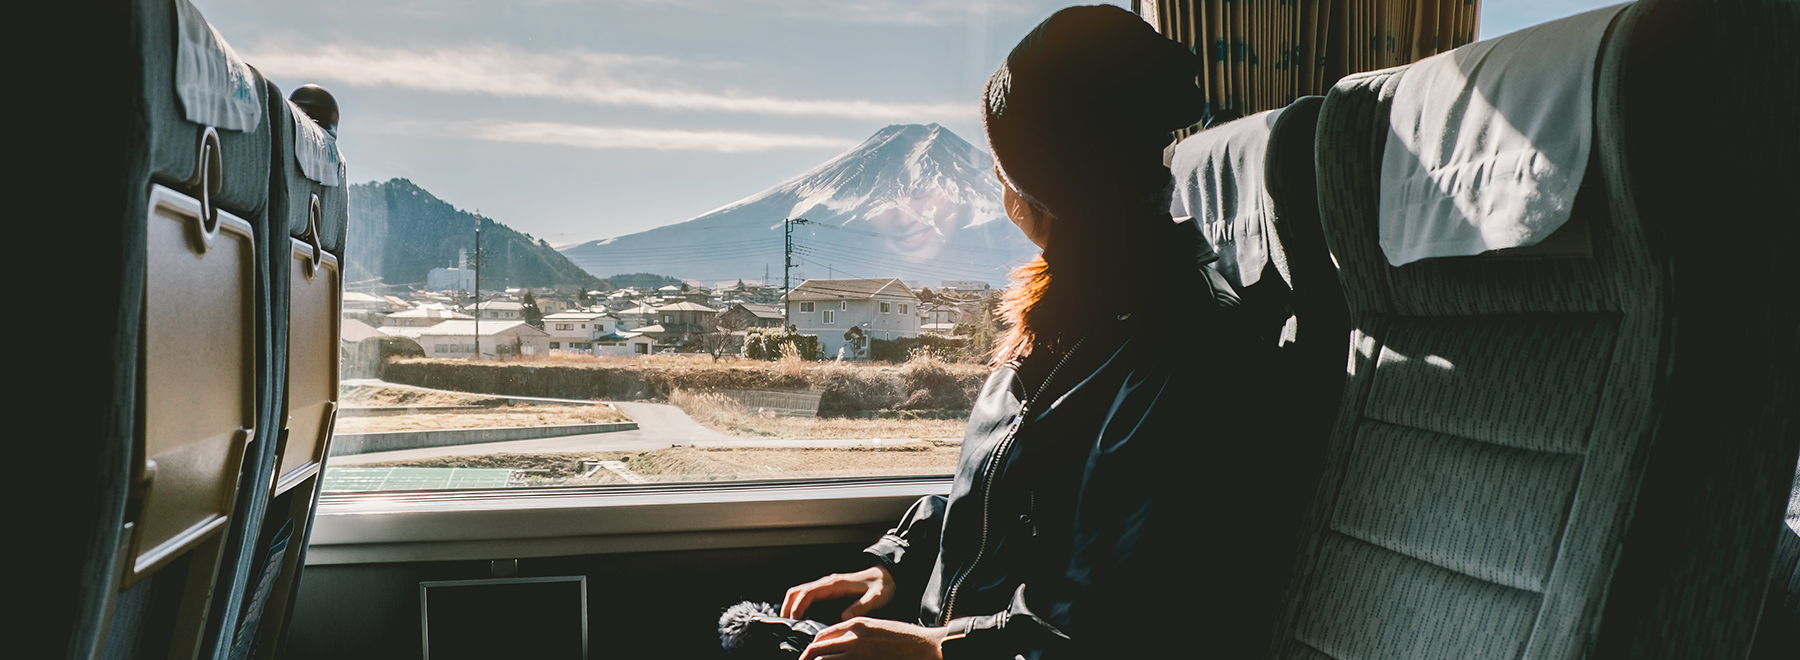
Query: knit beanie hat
{"points": [[1079, 113]]}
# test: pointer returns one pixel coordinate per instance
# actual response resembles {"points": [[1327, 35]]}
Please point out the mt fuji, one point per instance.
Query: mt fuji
{"points": [[913, 201]]}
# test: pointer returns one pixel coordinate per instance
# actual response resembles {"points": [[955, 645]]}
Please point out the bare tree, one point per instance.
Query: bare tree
{"points": [[722, 335]]}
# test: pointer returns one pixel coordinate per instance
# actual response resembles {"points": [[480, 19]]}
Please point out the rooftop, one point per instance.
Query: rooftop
{"points": [[685, 307], [429, 312], [848, 289], [464, 328], [576, 316], [761, 310]]}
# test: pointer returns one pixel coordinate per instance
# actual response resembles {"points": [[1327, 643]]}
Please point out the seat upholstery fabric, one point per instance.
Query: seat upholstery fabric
{"points": [[1505, 416]]}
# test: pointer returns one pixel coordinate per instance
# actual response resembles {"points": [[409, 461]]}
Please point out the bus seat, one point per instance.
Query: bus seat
{"points": [[314, 207], [1529, 460], [194, 319], [308, 215], [1312, 340], [1252, 181]]}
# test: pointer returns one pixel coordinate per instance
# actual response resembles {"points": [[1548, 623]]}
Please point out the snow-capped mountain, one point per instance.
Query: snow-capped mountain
{"points": [[914, 202]]}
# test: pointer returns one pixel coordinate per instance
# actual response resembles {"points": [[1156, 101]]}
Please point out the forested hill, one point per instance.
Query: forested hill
{"points": [[398, 232], [645, 281]]}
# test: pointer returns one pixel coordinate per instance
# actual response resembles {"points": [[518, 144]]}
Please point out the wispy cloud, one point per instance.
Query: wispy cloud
{"points": [[571, 75], [612, 137], [871, 12], [907, 12]]}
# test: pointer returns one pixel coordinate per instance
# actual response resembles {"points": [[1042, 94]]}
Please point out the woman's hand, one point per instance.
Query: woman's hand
{"points": [[872, 588], [876, 638]]}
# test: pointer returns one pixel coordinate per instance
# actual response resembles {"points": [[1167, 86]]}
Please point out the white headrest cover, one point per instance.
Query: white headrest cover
{"points": [[215, 86], [315, 149], [1488, 143], [1219, 181]]}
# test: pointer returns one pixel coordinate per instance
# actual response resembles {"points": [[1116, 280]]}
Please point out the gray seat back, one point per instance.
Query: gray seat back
{"points": [[1297, 310], [1506, 420]]}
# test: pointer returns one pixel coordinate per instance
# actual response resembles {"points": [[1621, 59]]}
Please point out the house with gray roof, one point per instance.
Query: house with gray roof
{"points": [[845, 314]]}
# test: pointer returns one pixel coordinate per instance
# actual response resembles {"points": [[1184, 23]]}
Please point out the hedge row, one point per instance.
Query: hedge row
{"points": [[843, 389]]}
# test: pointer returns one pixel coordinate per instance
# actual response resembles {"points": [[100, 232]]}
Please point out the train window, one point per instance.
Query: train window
{"points": [[675, 187]]}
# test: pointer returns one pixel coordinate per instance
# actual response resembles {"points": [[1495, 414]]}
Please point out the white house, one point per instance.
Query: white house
{"points": [[428, 314], [456, 339], [877, 308], [638, 316], [578, 330], [505, 310], [359, 301], [624, 343]]}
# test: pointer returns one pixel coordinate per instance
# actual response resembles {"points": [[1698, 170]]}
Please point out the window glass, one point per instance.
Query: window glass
{"points": [[642, 160]]}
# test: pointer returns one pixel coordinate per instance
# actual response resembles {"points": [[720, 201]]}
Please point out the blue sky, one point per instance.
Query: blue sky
{"points": [[582, 119]]}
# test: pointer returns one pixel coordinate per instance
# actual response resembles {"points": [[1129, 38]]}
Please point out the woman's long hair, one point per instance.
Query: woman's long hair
{"points": [[1093, 272], [1021, 312]]}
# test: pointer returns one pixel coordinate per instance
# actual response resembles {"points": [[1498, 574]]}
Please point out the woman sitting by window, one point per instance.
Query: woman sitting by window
{"points": [[1096, 510]]}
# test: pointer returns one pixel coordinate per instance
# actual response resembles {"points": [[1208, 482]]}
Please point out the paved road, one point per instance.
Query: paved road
{"points": [[659, 426]]}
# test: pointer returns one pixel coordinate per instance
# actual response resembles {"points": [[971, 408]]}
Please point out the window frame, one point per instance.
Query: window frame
{"points": [[828, 317], [806, 308], [365, 528]]}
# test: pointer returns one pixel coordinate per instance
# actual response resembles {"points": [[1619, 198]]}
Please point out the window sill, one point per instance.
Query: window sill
{"points": [[551, 522]]}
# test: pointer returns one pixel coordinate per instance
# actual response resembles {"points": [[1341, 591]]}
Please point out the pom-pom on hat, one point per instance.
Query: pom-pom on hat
{"points": [[1078, 114]]}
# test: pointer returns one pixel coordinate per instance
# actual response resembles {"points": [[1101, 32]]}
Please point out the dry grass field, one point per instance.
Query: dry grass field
{"points": [[490, 415], [690, 464], [722, 414], [383, 396]]}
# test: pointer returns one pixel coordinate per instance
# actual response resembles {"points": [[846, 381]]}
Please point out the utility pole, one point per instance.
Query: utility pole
{"points": [[478, 265], [787, 256]]}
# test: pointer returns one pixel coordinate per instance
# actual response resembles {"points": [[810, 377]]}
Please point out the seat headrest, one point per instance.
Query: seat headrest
{"points": [[215, 86], [1487, 144], [315, 149], [1219, 182]]}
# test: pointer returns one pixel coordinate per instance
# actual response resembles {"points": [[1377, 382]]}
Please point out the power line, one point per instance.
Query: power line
{"points": [[858, 252], [950, 271], [948, 244]]}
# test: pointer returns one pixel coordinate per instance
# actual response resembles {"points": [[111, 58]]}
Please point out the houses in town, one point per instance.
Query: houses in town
{"points": [[459, 338], [847, 315]]}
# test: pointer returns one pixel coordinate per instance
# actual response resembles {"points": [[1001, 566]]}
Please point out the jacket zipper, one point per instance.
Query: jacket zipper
{"points": [[987, 490]]}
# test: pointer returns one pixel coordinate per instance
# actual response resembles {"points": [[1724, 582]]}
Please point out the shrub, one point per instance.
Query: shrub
{"points": [[848, 389], [769, 343], [954, 349], [930, 386]]}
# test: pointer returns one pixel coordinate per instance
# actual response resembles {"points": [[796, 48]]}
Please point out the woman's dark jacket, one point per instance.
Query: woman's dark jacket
{"points": [[1105, 514]]}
